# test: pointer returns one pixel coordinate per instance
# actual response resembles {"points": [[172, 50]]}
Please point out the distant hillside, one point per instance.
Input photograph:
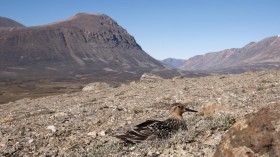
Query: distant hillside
{"points": [[6, 22], [83, 46], [264, 54], [174, 63]]}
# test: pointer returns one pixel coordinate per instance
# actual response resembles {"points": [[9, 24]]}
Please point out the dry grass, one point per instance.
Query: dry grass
{"points": [[221, 123]]}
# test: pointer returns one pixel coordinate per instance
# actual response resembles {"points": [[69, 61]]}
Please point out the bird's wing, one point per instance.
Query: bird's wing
{"points": [[141, 132], [147, 123]]}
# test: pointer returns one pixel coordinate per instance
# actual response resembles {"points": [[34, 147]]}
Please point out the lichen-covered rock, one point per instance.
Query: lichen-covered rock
{"points": [[258, 134]]}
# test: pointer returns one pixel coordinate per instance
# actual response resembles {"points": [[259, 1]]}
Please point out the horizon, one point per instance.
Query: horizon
{"points": [[189, 28]]}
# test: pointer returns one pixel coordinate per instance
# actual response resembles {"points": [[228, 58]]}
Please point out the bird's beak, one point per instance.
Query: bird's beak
{"points": [[190, 110]]}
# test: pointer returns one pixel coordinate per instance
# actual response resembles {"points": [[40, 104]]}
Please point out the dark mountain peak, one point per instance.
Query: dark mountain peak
{"points": [[249, 45], [89, 24], [88, 14], [88, 17], [6, 22], [89, 44]]}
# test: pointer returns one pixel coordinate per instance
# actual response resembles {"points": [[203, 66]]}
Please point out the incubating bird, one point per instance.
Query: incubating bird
{"points": [[152, 129]]}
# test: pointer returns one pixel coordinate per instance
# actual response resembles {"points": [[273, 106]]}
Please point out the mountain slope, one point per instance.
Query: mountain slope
{"points": [[6, 22], [264, 52], [174, 63], [85, 44]]}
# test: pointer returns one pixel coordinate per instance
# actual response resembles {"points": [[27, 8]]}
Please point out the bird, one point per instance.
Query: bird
{"points": [[152, 129]]}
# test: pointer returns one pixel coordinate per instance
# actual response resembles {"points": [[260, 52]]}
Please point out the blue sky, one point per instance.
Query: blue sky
{"points": [[177, 28]]}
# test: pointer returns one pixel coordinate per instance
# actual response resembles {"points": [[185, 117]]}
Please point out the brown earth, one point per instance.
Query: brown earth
{"points": [[18, 90]]}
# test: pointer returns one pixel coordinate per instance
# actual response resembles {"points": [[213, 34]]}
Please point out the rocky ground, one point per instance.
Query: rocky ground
{"points": [[81, 123]]}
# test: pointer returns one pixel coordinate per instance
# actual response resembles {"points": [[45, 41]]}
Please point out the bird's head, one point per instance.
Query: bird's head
{"points": [[177, 109]]}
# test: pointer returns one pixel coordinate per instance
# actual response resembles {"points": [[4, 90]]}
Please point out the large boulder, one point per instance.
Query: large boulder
{"points": [[148, 77], [96, 86], [257, 134]]}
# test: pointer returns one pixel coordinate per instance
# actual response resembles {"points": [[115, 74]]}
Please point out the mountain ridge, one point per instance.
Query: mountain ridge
{"points": [[80, 45], [7, 22], [255, 56], [264, 51], [173, 62]]}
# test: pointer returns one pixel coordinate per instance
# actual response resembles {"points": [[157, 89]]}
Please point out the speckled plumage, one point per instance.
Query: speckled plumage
{"points": [[151, 129]]}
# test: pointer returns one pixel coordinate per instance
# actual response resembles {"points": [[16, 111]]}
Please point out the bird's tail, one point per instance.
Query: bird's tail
{"points": [[132, 137]]}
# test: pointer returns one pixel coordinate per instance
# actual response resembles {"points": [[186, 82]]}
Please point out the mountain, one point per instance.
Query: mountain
{"points": [[264, 54], [6, 22], [174, 63], [83, 46]]}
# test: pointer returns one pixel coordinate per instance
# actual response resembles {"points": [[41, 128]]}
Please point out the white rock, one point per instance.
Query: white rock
{"points": [[96, 86], [52, 128], [60, 114], [30, 141], [132, 148], [102, 133], [147, 77]]}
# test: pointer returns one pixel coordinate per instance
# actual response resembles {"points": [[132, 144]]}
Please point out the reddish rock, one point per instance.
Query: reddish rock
{"points": [[258, 134]]}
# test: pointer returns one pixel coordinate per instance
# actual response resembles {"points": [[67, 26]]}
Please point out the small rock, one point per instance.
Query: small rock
{"points": [[102, 133], [52, 128], [60, 114], [92, 134], [30, 141], [2, 145], [153, 154], [7, 119], [177, 78], [120, 109], [132, 148]]}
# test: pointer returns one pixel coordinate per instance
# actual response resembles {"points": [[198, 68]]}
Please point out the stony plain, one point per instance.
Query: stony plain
{"points": [[82, 123]]}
